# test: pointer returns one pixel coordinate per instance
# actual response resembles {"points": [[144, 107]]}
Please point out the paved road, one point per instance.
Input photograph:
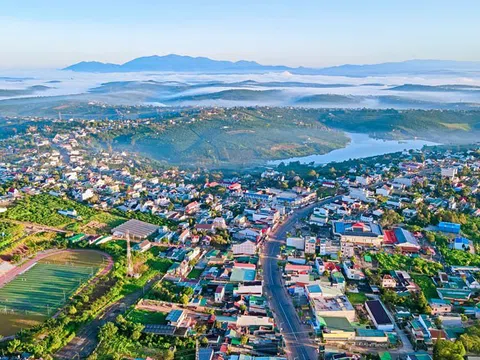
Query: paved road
{"points": [[299, 345], [86, 340]]}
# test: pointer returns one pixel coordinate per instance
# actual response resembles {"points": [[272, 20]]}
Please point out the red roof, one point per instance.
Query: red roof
{"points": [[389, 237], [293, 267], [244, 265]]}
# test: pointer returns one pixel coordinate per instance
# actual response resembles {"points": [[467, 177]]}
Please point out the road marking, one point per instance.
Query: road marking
{"points": [[288, 320]]}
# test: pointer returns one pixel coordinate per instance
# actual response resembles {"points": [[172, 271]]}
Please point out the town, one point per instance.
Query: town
{"points": [[375, 258]]}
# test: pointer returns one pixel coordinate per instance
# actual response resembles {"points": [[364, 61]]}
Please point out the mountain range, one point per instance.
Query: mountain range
{"points": [[180, 63]]}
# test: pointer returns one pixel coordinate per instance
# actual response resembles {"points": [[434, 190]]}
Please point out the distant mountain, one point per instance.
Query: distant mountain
{"points": [[174, 63], [179, 63], [404, 67]]}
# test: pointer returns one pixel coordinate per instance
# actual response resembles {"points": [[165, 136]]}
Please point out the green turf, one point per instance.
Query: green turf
{"points": [[195, 273], [357, 298], [147, 317], [44, 288]]}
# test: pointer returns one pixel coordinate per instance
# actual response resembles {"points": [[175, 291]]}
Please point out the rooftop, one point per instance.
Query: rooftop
{"points": [[136, 228]]}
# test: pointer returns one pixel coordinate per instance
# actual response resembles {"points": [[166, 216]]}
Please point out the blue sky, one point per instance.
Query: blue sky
{"points": [[54, 33]]}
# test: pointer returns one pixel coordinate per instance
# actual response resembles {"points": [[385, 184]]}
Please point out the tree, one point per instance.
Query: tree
{"points": [[137, 331], [107, 331], [390, 217], [448, 350], [184, 299], [13, 346]]}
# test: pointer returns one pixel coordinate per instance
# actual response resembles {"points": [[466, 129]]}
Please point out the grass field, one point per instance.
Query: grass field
{"points": [[195, 273], [147, 317], [357, 298]]}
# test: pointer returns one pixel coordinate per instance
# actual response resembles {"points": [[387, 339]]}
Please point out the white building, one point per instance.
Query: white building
{"points": [[296, 242], [449, 172], [310, 245]]}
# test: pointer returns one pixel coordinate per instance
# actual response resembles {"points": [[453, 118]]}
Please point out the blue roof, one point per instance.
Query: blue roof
{"points": [[315, 288], [174, 315], [462, 240], [403, 236]]}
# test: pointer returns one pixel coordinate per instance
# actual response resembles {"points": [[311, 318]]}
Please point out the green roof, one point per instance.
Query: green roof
{"points": [[370, 333], [367, 258], [385, 356], [338, 323]]}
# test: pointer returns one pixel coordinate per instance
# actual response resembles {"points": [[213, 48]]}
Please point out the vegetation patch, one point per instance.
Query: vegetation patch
{"points": [[43, 209], [427, 286], [357, 298], [147, 317]]}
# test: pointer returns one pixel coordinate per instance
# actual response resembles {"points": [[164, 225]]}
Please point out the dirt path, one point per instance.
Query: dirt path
{"points": [[13, 273]]}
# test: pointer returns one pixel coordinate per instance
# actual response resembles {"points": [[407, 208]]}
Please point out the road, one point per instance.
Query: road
{"points": [[86, 340], [298, 343]]}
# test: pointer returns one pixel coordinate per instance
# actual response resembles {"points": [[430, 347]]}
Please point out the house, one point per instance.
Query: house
{"points": [[461, 243], [337, 329], [254, 322], [219, 294], [245, 248], [184, 235], [440, 306], [205, 354], [240, 275], [87, 194], [319, 217], [459, 295], [379, 315], [310, 245], [352, 271], [69, 212], [175, 317], [388, 281], [248, 234], [143, 246], [296, 242], [449, 172], [384, 190], [192, 208]]}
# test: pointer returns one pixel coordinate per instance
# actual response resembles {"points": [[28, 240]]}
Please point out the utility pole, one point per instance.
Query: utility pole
{"points": [[129, 257], [197, 355]]}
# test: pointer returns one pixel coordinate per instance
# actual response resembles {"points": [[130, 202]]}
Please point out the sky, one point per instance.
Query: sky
{"points": [[316, 33]]}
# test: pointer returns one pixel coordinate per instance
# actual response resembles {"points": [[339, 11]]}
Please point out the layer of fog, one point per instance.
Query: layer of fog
{"points": [[72, 83]]}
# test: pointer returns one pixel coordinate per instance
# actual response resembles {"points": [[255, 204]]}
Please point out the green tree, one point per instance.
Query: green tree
{"points": [[448, 350], [13, 346], [107, 331]]}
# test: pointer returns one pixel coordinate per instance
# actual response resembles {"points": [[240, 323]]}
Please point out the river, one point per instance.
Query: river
{"points": [[360, 146]]}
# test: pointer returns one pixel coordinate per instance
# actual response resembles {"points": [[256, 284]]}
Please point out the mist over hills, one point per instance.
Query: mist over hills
{"points": [[180, 63]]}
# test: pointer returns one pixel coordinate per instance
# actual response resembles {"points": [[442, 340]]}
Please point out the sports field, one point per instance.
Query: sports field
{"points": [[45, 287]]}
